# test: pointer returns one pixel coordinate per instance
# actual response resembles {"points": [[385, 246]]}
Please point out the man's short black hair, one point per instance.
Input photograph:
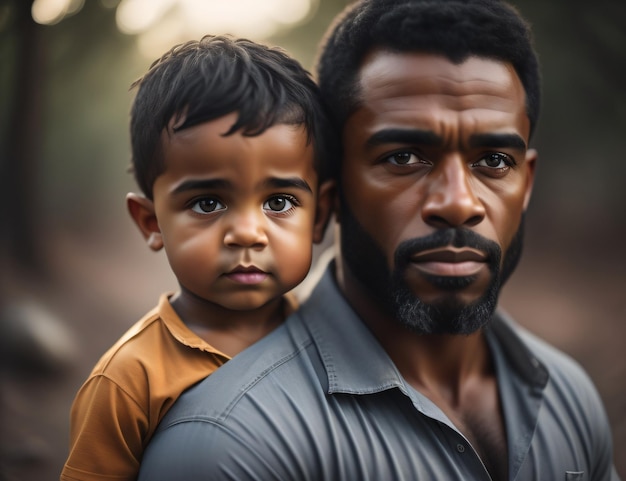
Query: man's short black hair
{"points": [[203, 80], [456, 29]]}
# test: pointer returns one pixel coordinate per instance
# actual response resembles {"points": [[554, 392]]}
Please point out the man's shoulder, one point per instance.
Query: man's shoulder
{"points": [[257, 400], [275, 357]]}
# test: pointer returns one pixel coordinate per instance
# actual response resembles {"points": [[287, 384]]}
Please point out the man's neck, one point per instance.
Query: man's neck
{"points": [[439, 365]]}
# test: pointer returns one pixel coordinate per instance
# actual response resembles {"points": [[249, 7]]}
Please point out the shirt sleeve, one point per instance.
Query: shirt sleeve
{"points": [[583, 406], [107, 428], [604, 468]]}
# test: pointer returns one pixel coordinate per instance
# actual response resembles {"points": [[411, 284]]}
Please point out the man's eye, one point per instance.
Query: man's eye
{"points": [[495, 161], [403, 158], [207, 205], [279, 203]]}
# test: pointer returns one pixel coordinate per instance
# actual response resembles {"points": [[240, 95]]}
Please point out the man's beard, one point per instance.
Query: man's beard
{"points": [[390, 291]]}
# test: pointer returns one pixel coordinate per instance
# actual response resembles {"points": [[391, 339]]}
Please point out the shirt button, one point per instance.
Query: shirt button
{"points": [[460, 448]]}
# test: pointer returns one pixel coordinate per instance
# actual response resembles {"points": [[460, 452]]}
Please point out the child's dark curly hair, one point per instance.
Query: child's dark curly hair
{"points": [[203, 80]]}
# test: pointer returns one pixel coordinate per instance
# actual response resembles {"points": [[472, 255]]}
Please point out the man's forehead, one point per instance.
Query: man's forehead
{"points": [[429, 91], [434, 72]]}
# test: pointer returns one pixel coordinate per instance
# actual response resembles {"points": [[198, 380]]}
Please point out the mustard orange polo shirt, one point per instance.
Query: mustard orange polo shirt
{"points": [[118, 408]]}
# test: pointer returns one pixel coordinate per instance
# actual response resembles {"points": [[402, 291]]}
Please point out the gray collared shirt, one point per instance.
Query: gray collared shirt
{"points": [[319, 399]]}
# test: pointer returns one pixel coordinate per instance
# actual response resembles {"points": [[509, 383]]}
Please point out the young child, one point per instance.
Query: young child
{"points": [[230, 149]]}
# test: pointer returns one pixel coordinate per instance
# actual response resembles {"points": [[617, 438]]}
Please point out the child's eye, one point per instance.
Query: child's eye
{"points": [[280, 203], [206, 205]]}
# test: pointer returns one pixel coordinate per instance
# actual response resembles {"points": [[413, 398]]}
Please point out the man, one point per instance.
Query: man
{"points": [[398, 366]]}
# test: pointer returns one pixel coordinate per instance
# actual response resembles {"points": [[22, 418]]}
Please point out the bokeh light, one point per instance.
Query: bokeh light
{"points": [[50, 12], [159, 24]]}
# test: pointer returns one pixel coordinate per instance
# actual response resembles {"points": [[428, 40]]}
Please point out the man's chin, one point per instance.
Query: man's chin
{"points": [[449, 314]]}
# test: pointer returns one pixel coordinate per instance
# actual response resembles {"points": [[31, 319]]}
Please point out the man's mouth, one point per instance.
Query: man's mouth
{"points": [[450, 261], [249, 275]]}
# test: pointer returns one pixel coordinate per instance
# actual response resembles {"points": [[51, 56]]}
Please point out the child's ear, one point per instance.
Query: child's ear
{"points": [[324, 210], [141, 209]]}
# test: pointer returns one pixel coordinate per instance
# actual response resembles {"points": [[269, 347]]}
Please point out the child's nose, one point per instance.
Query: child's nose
{"points": [[247, 229]]}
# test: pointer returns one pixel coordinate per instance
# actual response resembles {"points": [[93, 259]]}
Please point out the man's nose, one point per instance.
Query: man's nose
{"points": [[451, 200], [246, 228]]}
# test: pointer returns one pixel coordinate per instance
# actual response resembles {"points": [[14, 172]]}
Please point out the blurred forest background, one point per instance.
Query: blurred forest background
{"points": [[74, 273]]}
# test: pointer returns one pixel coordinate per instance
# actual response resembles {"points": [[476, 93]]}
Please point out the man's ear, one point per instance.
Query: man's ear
{"points": [[141, 210], [337, 207], [531, 163], [324, 210]]}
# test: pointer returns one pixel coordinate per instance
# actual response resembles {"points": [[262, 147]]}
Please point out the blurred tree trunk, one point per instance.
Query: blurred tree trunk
{"points": [[19, 209]]}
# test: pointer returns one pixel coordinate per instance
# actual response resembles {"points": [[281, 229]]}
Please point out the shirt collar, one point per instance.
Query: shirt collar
{"points": [[353, 359], [179, 330], [506, 343]]}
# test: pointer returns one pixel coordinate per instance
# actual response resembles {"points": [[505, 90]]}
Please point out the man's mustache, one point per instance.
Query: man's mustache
{"points": [[455, 237]]}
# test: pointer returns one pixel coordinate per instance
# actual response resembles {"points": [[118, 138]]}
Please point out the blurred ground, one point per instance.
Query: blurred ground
{"points": [[585, 318]]}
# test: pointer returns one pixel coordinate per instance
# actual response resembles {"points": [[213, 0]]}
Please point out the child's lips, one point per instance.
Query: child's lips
{"points": [[248, 275]]}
